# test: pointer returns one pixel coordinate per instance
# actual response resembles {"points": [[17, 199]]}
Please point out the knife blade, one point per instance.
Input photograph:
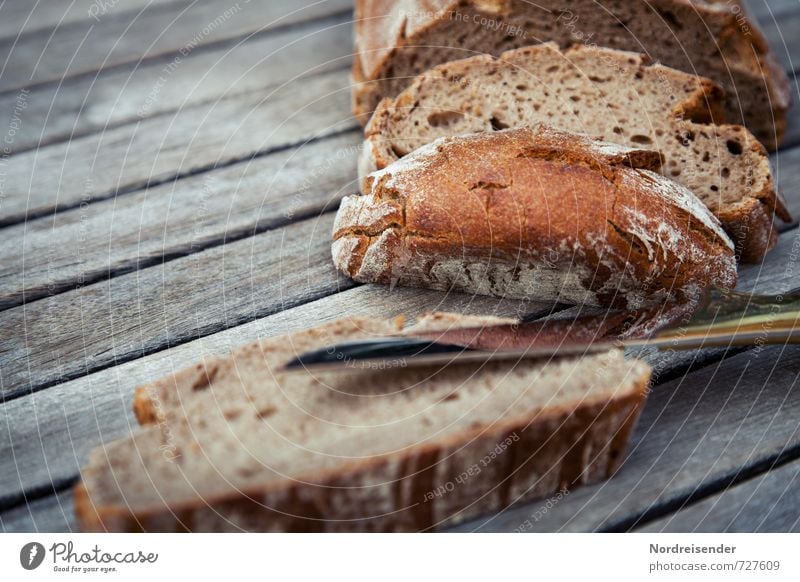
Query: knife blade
{"points": [[727, 318]]}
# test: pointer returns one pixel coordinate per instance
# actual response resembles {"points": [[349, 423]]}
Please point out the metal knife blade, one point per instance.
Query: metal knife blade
{"points": [[727, 319]]}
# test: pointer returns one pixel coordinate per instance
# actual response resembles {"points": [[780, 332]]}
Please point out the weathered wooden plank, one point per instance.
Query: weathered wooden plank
{"points": [[782, 29], [697, 435], [158, 149], [767, 503], [109, 322], [55, 513], [158, 30], [78, 247], [764, 10], [46, 436], [17, 18], [88, 104]]}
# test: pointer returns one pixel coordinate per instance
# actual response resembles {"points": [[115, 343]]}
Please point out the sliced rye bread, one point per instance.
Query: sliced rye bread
{"points": [[617, 96], [395, 41], [535, 213], [244, 447]]}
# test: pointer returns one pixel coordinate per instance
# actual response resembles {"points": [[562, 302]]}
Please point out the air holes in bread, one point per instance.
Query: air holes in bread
{"points": [[497, 125], [444, 118], [266, 412], [641, 139], [734, 147]]}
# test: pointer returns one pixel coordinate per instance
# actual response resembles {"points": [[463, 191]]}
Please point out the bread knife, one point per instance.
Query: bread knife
{"points": [[726, 319]]}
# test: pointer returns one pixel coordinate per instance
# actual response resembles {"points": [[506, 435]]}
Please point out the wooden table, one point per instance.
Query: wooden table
{"points": [[167, 190]]}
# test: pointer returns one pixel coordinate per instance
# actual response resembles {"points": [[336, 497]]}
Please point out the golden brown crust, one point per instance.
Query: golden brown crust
{"points": [[538, 199], [388, 31]]}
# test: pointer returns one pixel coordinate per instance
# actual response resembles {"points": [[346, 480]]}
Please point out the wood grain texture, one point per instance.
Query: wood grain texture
{"points": [[159, 149], [46, 436], [88, 104], [768, 9], [21, 17], [157, 30], [55, 253], [77, 332], [780, 23], [767, 503], [697, 434], [55, 513]]}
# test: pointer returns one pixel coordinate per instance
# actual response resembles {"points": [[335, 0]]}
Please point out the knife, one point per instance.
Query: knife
{"points": [[727, 318]]}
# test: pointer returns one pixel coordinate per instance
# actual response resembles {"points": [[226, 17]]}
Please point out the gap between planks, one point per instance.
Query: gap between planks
{"points": [[764, 503]]}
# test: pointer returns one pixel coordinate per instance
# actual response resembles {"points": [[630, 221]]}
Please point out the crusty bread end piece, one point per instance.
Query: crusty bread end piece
{"points": [[534, 213]]}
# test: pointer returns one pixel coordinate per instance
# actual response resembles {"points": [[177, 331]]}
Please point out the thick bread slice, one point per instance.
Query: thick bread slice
{"points": [[397, 40], [534, 213], [616, 96], [360, 450]]}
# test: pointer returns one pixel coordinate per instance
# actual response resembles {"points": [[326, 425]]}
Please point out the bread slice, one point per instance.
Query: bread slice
{"points": [[616, 96], [534, 213], [254, 449], [395, 41]]}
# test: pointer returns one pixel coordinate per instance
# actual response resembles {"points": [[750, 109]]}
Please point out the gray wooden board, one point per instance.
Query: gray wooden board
{"points": [[46, 436], [160, 148], [54, 253], [87, 104], [769, 502], [696, 435], [55, 513], [19, 17], [157, 30], [109, 322]]}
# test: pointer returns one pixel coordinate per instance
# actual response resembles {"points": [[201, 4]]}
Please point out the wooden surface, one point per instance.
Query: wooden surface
{"points": [[167, 189]]}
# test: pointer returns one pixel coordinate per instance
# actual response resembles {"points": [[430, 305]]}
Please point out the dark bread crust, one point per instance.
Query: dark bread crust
{"points": [[393, 43], [534, 198], [744, 200], [558, 449]]}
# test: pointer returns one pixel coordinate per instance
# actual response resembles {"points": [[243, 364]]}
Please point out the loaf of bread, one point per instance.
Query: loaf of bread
{"points": [[234, 445], [395, 41], [614, 95], [534, 213]]}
